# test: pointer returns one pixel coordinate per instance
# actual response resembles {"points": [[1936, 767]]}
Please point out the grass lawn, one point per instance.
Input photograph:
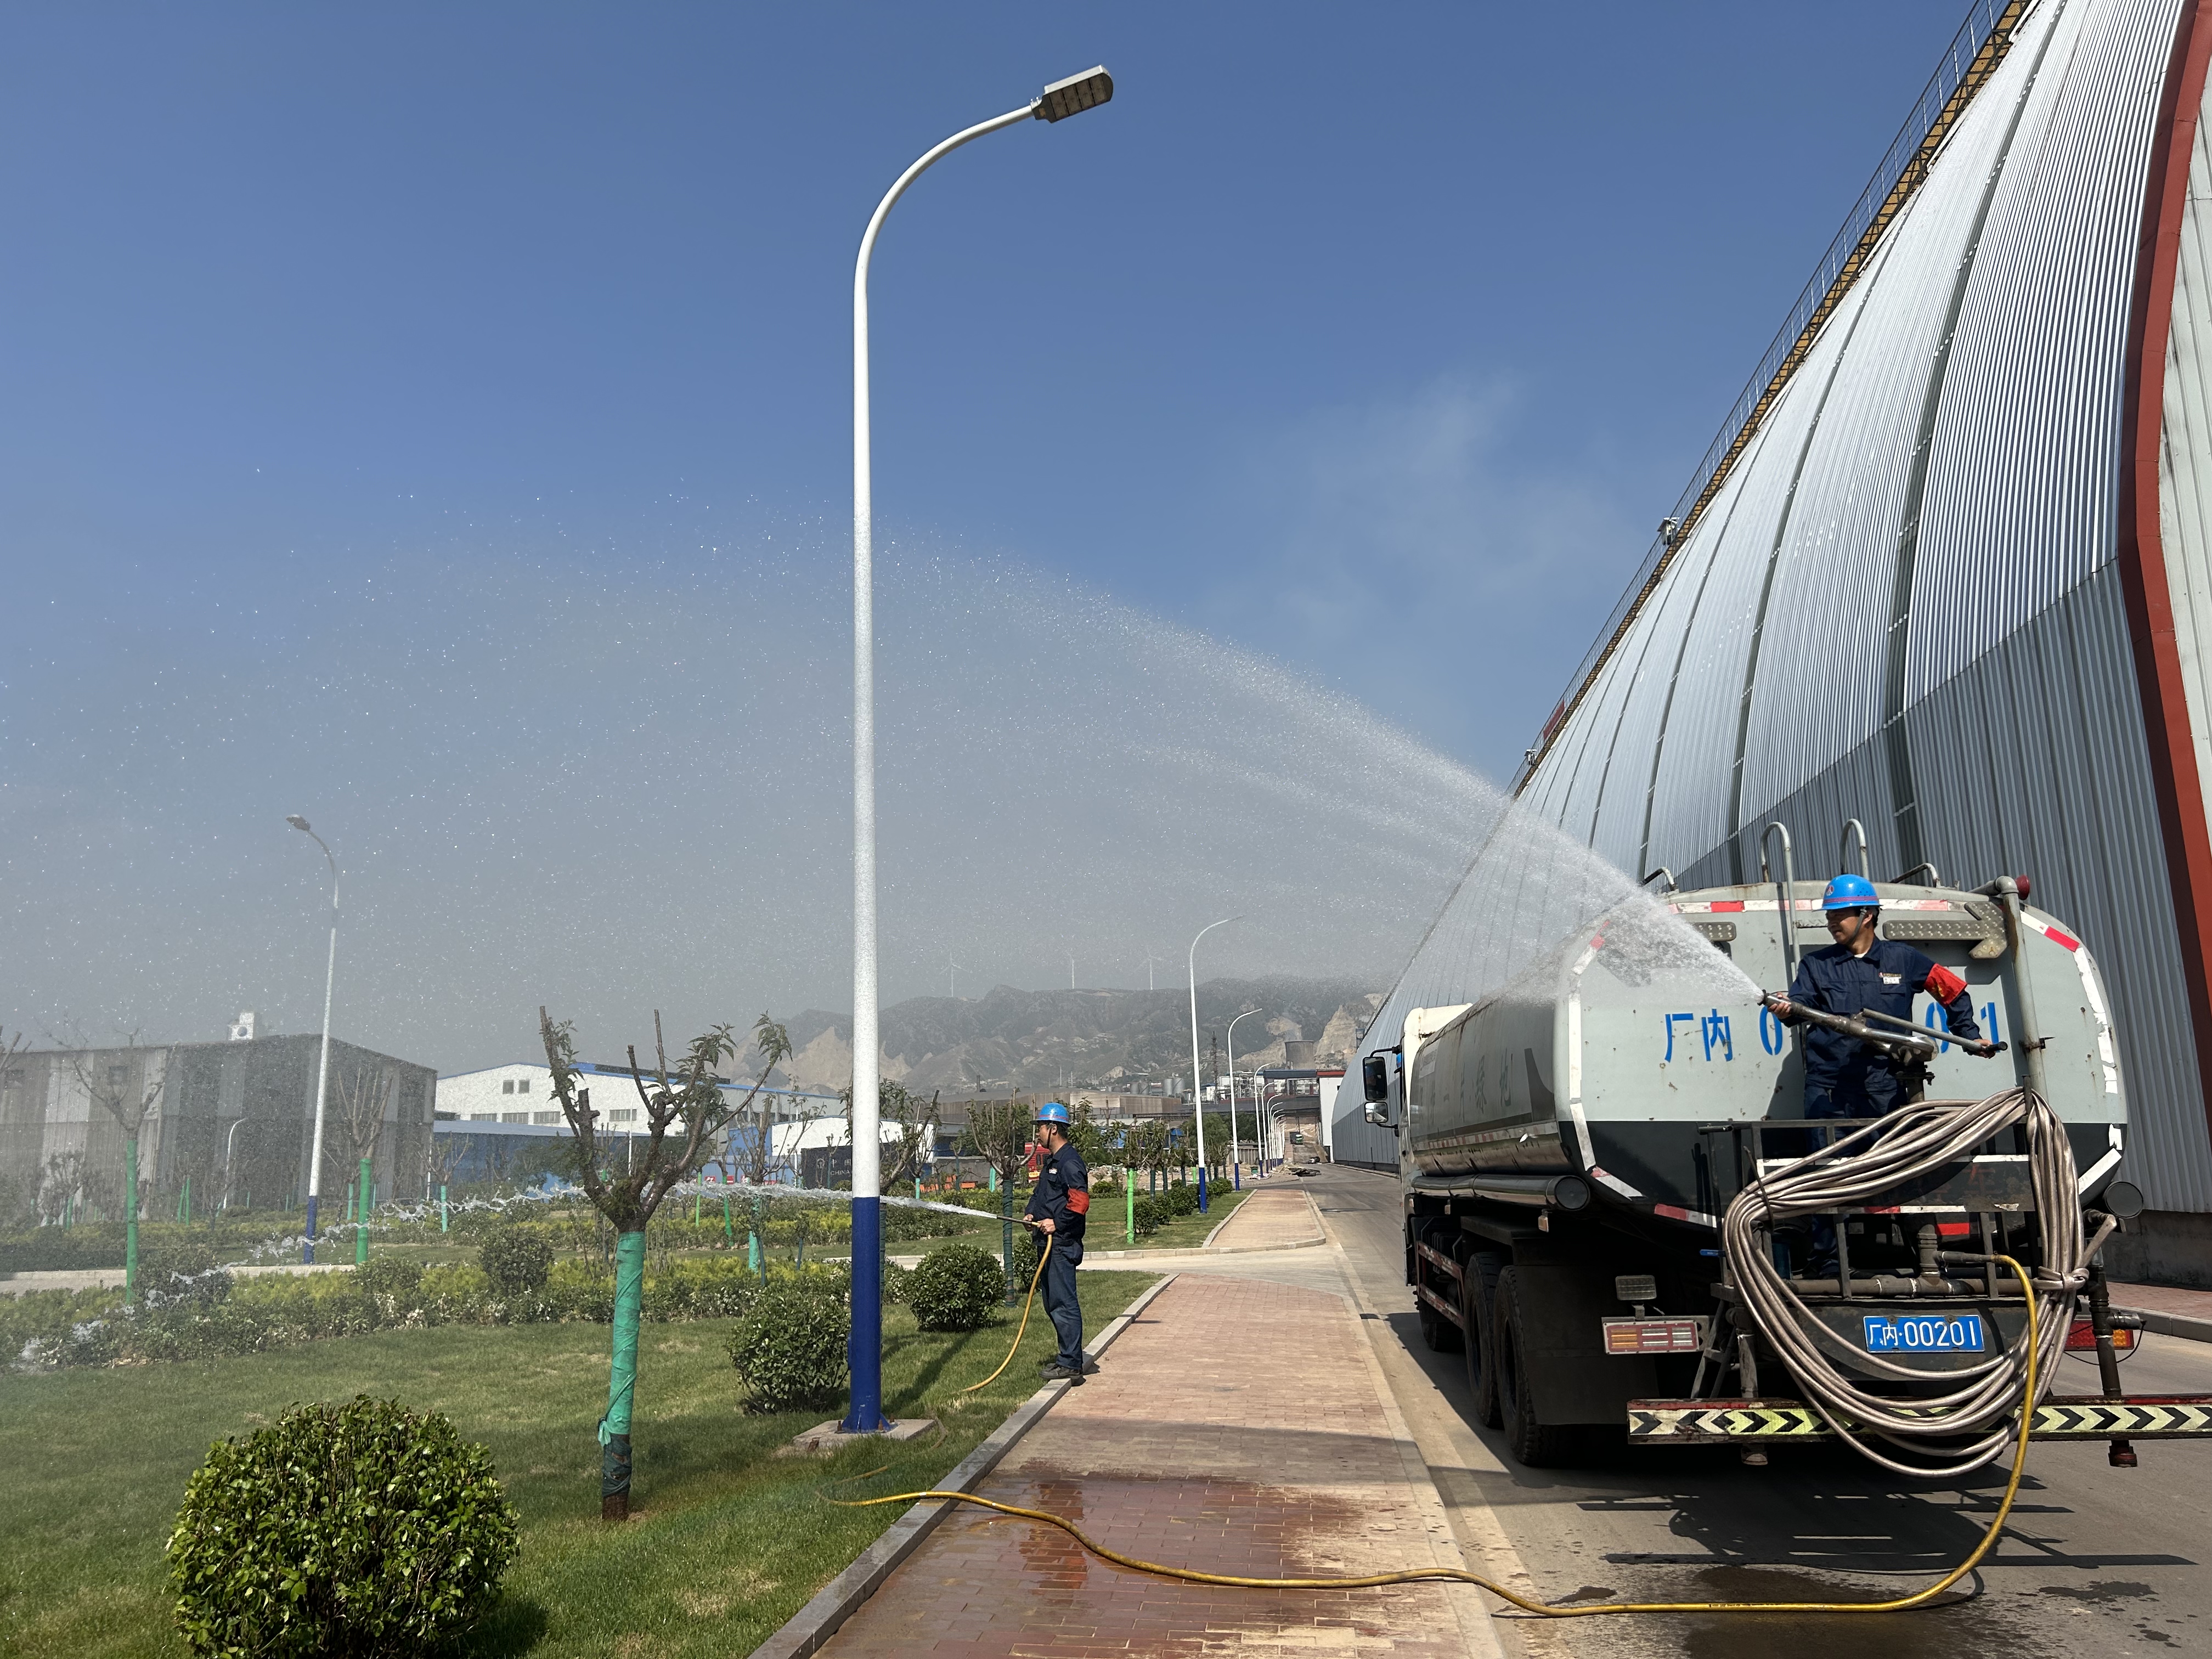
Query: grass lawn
{"points": [[725, 1543], [1185, 1232]]}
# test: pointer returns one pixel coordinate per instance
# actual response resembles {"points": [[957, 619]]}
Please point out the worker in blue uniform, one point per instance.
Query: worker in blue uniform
{"points": [[1844, 1077], [1057, 1207]]}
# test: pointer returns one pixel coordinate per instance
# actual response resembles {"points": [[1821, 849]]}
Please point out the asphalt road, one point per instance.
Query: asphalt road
{"points": [[2094, 1561]]}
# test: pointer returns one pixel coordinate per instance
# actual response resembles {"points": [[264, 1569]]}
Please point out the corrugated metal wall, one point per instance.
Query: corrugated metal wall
{"points": [[1905, 606]]}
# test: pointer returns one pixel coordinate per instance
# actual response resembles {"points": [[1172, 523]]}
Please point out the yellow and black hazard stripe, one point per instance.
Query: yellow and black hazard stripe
{"points": [[2149, 1417]]}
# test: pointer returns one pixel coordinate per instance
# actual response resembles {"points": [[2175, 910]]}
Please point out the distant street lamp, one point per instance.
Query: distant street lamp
{"points": [[1197, 1095], [230, 1163], [1236, 1172], [1059, 101], [323, 1067]]}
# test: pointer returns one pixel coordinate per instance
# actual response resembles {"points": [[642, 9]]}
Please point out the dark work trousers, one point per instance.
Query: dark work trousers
{"points": [[1879, 1094], [1059, 1303]]}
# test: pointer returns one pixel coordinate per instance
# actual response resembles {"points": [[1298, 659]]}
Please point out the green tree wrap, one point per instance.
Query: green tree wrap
{"points": [[130, 1218], [621, 1378], [360, 1223]]}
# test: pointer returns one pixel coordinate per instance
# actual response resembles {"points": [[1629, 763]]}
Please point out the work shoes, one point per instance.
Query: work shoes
{"points": [[1056, 1371]]}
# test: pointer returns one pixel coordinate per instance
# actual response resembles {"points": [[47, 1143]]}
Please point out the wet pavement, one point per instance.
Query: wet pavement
{"points": [[2095, 1560]]}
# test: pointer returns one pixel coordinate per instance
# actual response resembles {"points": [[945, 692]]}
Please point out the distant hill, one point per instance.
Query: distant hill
{"points": [[1039, 1040]]}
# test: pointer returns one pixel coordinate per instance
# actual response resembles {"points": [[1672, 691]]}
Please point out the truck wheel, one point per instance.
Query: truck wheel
{"points": [[1441, 1335], [1532, 1441], [1479, 1304]]}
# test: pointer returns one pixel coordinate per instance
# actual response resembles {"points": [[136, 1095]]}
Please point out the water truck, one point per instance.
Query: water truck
{"points": [[1616, 1207]]}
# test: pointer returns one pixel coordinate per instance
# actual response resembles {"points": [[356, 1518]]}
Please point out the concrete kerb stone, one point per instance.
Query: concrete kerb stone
{"points": [[2169, 1324], [813, 1624]]}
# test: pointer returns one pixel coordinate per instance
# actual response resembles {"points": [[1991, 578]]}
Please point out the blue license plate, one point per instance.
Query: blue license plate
{"points": [[1924, 1333]]}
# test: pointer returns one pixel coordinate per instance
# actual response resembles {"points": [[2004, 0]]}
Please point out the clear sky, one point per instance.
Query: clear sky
{"points": [[1371, 340]]}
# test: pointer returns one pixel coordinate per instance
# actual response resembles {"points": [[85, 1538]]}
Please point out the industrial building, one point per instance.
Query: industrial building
{"points": [[234, 1119], [1947, 568]]}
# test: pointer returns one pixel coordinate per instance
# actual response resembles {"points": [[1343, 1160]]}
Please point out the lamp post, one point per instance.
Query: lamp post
{"points": [[1197, 1095], [1059, 101], [322, 1066], [1235, 1174], [229, 1163]]}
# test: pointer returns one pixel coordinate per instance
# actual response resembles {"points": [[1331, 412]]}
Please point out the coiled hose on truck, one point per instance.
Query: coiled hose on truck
{"points": [[1857, 1170]]}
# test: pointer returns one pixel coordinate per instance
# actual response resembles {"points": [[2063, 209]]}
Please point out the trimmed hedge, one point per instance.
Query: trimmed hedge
{"points": [[789, 1349], [956, 1288], [516, 1259], [354, 1529], [51, 1329]]}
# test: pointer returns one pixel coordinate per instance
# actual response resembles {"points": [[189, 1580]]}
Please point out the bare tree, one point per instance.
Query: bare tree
{"points": [[755, 1155], [999, 1133], [129, 1101], [363, 1098], [684, 1109]]}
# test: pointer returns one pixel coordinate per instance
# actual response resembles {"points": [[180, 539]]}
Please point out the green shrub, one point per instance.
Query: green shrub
{"points": [[391, 1286], [355, 1529], [789, 1349], [516, 1259], [955, 1288]]}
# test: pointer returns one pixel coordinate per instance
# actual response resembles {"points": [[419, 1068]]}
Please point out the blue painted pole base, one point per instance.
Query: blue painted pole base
{"points": [[864, 1349], [307, 1250], [1202, 1192]]}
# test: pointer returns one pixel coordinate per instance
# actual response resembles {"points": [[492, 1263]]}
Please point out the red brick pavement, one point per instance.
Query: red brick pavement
{"points": [[1237, 1427], [2163, 1299]]}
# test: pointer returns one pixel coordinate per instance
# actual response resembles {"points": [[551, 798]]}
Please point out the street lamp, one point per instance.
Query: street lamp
{"points": [[1197, 1098], [323, 1067], [1058, 102], [1236, 1174]]}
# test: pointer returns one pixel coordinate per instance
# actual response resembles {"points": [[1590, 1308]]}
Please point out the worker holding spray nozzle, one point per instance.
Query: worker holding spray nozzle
{"points": [[1852, 1076], [1845, 1076], [1057, 1207]]}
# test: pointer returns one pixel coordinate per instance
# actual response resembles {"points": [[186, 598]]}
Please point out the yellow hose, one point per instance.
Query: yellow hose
{"points": [[1027, 1302], [1919, 1598]]}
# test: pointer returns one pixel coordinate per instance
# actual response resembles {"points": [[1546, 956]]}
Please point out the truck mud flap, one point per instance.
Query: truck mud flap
{"points": [[1445, 1300], [1790, 1422]]}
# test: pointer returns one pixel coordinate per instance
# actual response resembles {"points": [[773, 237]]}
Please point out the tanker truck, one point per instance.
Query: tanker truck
{"points": [[1614, 1204]]}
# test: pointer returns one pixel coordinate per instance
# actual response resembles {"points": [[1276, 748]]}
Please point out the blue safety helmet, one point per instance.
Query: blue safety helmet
{"points": [[1053, 1112], [1850, 893]]}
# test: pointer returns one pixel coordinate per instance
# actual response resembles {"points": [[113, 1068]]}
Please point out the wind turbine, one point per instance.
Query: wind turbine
{"points": [[951, 979], [1149, 960]]}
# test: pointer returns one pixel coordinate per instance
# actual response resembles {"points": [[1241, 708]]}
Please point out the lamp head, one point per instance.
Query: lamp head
{"points": [[298, 823], [1074, 95]]}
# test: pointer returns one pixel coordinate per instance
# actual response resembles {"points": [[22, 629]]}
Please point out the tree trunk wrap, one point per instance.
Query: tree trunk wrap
{"points": [[360, 1221], [621, 1378], [130, 1218]]}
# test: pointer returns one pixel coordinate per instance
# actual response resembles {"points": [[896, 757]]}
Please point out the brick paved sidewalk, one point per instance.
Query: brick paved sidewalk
{"points": [[1270, 1216], [1237, 1427], [2163, 1299]]}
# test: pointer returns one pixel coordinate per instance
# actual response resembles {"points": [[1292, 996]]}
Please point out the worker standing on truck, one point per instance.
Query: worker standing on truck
{"points": [[1844, 1077], [1057, 1207]]}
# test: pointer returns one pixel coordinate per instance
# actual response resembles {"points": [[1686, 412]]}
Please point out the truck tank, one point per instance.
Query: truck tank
{"points": [[1611, 1065]]}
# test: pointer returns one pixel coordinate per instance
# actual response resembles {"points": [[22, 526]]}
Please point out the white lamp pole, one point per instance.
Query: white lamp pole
{"points": [[322, 1066], [1061, 99], [1235, 1175], [1197, 1094]]}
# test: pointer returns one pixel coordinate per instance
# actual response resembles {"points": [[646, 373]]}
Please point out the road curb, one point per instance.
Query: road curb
{"points": [[2172, 1324], [1211, 1249], [813, 1624]]}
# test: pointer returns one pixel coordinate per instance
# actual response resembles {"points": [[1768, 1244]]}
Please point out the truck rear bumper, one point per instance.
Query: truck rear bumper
{"points": [[1790, 1422]]}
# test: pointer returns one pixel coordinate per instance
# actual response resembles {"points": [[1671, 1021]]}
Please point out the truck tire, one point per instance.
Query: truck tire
{"points": [[1532, 1441], [1478, 1305], [1441, 1335]]}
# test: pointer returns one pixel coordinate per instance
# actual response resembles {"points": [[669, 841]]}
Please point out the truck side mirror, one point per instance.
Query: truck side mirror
{"points": [[1375, 1078]]}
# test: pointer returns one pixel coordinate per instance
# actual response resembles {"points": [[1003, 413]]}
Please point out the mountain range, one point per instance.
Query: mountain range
{"points": [[1062, 1040]]}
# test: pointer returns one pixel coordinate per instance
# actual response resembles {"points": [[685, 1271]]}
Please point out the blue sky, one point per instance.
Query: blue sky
{"points": [[1373, 340]]}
